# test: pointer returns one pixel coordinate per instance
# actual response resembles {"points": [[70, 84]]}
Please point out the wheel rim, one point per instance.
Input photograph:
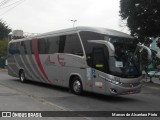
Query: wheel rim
{"points": [[77, 86]]}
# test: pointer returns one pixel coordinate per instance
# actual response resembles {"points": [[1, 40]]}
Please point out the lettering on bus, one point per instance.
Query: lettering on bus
{"points": [[49, 60], [52, 62], [61, 60]]}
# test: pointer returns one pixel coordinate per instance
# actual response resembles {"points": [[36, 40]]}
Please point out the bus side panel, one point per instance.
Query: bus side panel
{"points": [[72, 71], [67, 65], [99, 84], [31, 67], [13, 70], [50, 65], [12, 67], [72, 65], [39, 63], [60, 66]]}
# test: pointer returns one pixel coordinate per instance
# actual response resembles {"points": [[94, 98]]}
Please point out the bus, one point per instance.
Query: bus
{"points": [[88, 59]]}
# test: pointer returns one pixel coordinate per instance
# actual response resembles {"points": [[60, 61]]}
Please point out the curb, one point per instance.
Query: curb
{"points": [[3, 70], [149, 84]]}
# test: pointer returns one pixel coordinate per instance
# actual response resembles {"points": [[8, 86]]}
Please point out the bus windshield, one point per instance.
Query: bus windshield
{"points": [[125, 63]]}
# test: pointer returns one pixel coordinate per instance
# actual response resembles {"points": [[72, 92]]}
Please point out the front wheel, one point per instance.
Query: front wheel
{"points": [[76, 86], [22, 76]]}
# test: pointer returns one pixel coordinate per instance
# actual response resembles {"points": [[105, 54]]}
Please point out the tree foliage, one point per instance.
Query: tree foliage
{"points": [[143, 17], [4, 30], [3, 47]]}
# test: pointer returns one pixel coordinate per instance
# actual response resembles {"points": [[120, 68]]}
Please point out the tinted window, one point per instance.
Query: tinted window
{"points": [[48, 45], [25, 47], [87, 35], [42, 46], [11, 48], [14, 48], [17, 48], [30, 44], [99, 61], [93, 55], [53, 45], [62, 43], [73, 45], [22, 48]]}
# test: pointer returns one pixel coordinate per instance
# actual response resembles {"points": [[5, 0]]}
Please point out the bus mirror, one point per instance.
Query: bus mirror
{"points": [[109, 45], [147, 49]]}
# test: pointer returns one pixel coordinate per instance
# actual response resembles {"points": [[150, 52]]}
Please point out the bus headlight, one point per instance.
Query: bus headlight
{"points": [[112, 79], [116, 80]]}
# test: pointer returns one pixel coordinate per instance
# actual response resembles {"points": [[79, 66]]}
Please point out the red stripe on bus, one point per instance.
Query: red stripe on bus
{"points": [[36, 55]]}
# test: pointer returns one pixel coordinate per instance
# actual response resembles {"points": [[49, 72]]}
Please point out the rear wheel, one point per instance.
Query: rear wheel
{"points": [[76, 86], [22, 76]]}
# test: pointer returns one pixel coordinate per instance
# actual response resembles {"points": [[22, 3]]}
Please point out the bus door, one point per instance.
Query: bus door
{"points": [[99, 54], [99, 61]]}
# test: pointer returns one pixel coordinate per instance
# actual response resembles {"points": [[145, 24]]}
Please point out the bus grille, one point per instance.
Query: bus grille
{"points": [[130, 84]]}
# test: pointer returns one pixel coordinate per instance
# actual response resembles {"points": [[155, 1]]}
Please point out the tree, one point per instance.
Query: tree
{"points": [[4, 30], [3, 47], [143, 17]]}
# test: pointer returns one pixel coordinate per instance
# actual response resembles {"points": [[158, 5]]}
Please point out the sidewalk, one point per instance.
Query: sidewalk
{"points": [[3, 70], [155, 82]]}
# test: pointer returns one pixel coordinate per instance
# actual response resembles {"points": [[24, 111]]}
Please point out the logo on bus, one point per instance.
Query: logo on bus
{"points": [[59, 59]]}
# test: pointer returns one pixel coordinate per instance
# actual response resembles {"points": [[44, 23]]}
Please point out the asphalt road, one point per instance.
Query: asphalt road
{"points": [[32, 96]]}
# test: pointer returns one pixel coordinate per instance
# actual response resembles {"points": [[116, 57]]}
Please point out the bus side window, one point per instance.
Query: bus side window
{"points": [[62, 43], [30, 43], [25, 47], [17, 48], [53, 43], [11, 48], [43, 46], [73, 45]]}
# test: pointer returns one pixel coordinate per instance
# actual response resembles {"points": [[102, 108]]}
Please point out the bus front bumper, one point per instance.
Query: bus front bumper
{"points": [[123, 89]]}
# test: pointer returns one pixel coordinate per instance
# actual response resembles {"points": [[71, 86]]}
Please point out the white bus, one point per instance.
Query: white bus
{"points": [[82, 59]]}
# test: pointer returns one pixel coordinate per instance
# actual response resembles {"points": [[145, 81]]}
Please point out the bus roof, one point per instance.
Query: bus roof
{"points": [[106, 31], [93, 29]]}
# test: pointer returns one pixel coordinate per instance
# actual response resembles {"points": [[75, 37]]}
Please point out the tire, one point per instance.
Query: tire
{"points": [[76, 86], [22, 76]]}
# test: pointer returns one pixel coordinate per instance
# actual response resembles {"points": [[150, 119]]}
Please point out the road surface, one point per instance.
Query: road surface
{"points": [[33, 96]]}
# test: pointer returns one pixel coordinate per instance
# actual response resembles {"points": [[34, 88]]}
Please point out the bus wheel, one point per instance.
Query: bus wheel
{"points": [[22, 76], [76, 86]]}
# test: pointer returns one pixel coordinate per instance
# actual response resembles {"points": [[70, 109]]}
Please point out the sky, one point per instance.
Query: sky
{"points": [[40, 16]]}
